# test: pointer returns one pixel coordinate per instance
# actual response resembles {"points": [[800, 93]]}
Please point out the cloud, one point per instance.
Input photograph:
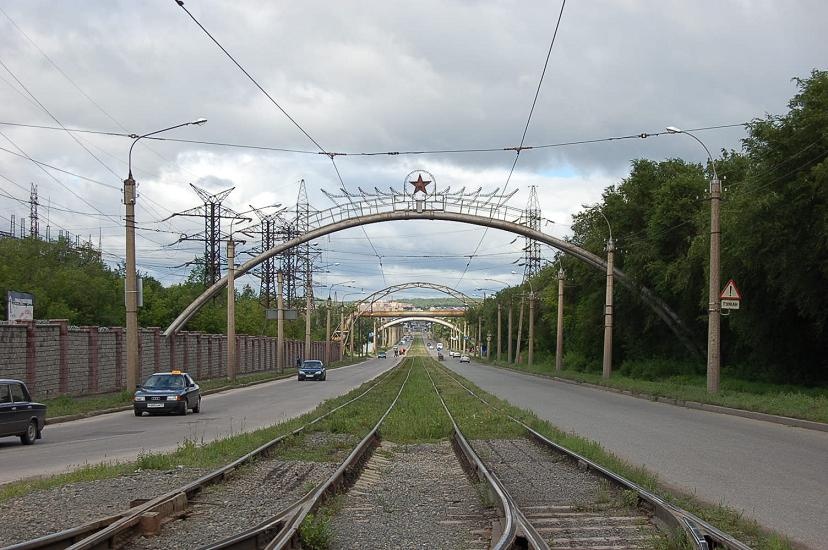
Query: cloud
{"points": [[370, 77]]}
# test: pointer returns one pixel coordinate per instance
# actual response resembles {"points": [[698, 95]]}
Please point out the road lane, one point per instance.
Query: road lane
{"points": [[122, 436], [775, 474]]}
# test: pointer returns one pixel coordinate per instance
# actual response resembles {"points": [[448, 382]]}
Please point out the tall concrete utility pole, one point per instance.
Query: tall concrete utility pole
{"points": [[714, 299], [499, 311], [530, 353], [559, 340], [519, 330], [131, 279], [479, 337], [280, 322], [509, 335], [308, 313], [328, 332], [131, 287], [714, 307], [342, 334], [607, 367], [231, 310]]}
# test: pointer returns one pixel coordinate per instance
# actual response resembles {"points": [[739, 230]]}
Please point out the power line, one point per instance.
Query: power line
{"points": [[393, 153], [284, 112], [523, 136], [253, 80], [59, 123]]}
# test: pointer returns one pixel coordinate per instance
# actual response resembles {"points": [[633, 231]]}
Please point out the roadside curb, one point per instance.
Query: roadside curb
{"points": [[753, 415], [90, 414]]}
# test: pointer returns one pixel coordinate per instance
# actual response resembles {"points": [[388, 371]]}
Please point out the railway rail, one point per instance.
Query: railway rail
{"points": [[517, 525], [700, 534], [114, 531]]}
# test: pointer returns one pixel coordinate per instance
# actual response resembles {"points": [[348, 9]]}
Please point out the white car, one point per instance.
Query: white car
{"points": [[465, 359]]}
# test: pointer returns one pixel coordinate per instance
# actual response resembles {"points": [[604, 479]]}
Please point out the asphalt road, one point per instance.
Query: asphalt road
{"points": [[122, 436], [775, 474]]}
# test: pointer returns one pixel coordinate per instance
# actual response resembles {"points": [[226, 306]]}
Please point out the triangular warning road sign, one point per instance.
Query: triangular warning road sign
{"points": [[730, 292]]}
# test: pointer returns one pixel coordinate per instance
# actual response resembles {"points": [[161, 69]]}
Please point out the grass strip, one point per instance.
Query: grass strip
{"points": [[783, 400], [481, 422]]}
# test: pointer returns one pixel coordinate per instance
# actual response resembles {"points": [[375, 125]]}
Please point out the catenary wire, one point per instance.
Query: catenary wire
{"points": [[522, 138], [283, 111]]}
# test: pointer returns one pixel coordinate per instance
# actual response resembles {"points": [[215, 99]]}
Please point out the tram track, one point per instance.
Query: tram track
{"points": [[525, 492], [568, 524], [147, 516]]}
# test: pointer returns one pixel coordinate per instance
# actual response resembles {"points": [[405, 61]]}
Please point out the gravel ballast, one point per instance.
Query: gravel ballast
{"points": [[569, 506], [412, 496], [252, 495], [45, 512]]}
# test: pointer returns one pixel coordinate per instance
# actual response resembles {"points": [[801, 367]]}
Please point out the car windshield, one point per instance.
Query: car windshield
{"points": [[312, 365], [165, 382]]}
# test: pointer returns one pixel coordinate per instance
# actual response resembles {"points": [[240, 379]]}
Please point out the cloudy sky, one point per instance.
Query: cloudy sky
{"points": [[372, 77]]}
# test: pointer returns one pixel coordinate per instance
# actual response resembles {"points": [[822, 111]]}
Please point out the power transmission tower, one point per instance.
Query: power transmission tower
{"points": [[268, 230], [296, 264], [213, 212], [34, 228], [532, 220], [306, 253]]}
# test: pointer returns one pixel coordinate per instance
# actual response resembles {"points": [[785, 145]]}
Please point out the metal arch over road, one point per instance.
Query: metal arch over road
{"points": [[409, 313], [382, 293], [473, 209], [423, 319], [370, 299]]}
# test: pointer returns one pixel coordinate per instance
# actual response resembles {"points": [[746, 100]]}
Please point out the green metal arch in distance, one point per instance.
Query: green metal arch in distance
{"points": [[371, 298], [351, 218], [426, 319]]}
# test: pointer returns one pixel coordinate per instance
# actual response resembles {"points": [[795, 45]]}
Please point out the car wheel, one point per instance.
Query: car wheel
{"points": [[197, 408], [137, 412], [31, 433], [183, 410]]}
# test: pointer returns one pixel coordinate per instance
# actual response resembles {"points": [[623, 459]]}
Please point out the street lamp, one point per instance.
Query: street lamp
{"points": [[530, 343], [131, 279], [531, 323], [232, 357], [342, 324], [714, 304], [499, 316], [608, 305]]}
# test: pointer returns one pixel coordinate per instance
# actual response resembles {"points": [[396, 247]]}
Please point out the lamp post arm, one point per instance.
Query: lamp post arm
{"points": [[608, 224], [709, 156], [137, 137]]}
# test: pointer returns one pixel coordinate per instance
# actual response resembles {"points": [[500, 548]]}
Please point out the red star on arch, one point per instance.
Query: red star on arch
{"points": [[420, 184]]}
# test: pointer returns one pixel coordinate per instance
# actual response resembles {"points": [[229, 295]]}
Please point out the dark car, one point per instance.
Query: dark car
{"points": [[312, 369], [381, 355], [19, 415], [440, 356], [167, 392]]}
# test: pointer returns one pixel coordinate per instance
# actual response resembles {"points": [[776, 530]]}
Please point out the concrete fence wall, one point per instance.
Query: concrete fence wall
{"points": [[57, 359]]}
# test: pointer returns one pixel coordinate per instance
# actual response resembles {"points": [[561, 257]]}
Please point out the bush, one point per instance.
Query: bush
{"points": [[659, 368], [578, 362]]}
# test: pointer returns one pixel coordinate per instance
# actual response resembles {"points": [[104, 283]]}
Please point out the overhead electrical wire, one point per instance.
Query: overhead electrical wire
{"points": [[83, 93], [284, 112], [569, 143], [523, 136]]}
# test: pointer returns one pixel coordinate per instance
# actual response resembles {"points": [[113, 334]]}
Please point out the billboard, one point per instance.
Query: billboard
{"points": [[19, 306]]}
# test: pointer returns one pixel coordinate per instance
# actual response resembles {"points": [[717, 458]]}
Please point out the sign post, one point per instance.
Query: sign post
{"points": [[730, 296]]}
